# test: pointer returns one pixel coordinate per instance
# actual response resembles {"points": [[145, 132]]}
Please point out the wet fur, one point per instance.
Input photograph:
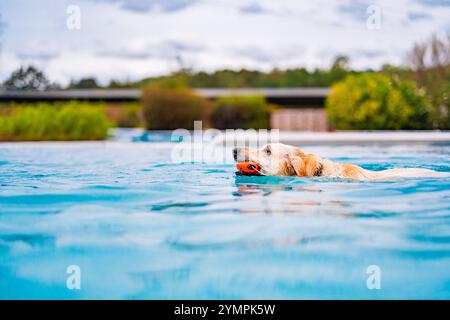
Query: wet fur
{"points": [[284, 160]]}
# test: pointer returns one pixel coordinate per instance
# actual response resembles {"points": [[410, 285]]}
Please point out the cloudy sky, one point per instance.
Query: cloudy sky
{"points": [[131, 39]]}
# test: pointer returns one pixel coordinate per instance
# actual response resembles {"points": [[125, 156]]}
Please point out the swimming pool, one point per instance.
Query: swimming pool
{"points": [[139, 226]]}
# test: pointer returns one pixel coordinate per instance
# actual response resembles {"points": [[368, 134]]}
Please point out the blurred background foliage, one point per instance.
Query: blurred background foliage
{"points": [[375, 101], [411, 96], [172, 108], [241, 112], [125, 114], [64, 122], [296, 77]]}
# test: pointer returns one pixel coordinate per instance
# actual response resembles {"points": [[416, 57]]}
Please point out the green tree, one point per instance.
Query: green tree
{"points": [[374, 101], [341, 62], [29, 78], [430, 63], [84, 83]]}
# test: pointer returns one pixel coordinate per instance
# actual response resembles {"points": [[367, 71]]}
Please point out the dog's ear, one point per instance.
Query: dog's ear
{"points": [[288, 166], [298, 153], [305, 166]]}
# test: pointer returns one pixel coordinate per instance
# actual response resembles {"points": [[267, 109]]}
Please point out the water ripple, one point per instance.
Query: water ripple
{"points": [[122, 211]]}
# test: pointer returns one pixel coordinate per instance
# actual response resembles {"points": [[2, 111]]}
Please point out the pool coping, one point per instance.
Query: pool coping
{"points": [[353, 137], [303, 137], [368, 136]]}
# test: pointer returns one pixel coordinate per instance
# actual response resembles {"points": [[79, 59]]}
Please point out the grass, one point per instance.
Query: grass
{"points": [[58, 122]]}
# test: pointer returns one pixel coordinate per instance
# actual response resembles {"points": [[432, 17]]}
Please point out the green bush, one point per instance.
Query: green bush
{"points": [[125, 115], [67, 121], [441, 101], [241, 112], [169, 109], [373, 101], [130, 117]]}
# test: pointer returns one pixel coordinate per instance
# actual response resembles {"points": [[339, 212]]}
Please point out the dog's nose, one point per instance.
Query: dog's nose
{"points": [[235, 153]]}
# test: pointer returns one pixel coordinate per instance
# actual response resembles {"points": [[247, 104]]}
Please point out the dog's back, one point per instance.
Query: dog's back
{"points": [[404, 173], [351, 171]]}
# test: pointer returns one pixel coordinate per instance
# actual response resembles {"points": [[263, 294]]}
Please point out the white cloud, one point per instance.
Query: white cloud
{"points": [[132, 39], [150, 5]]}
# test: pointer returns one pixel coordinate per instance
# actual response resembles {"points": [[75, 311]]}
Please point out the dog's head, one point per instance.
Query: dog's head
{"points": [[278, 159]]}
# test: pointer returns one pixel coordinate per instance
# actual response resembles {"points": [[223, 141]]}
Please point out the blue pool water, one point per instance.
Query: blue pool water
{"points": [[139, 226]]}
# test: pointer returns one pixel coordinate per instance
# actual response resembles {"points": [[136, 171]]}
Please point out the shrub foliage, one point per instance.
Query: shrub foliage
{"points": [[372, 101], [171, 108], [241, 112], [67, 121]]}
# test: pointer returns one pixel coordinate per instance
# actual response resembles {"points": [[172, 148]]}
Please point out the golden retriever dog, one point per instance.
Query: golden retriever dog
{"points": [[283, 160]]}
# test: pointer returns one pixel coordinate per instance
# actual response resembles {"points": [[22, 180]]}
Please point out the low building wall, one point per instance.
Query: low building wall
{"points": [[304, 119]]}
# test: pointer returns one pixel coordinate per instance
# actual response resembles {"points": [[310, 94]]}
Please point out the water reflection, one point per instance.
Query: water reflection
{"points": [[288, 195], [267, 185]]}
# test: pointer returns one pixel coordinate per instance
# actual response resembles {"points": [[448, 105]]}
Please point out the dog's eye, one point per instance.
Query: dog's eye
{"points": [[268, 151]]}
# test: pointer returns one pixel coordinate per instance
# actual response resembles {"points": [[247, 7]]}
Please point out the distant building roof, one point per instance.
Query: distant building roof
{"points": [[266, 92], [73, 94], [283, 96]]}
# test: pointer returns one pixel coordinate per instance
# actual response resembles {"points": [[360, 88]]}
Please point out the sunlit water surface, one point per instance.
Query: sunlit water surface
{"points": [[139, 226]]}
